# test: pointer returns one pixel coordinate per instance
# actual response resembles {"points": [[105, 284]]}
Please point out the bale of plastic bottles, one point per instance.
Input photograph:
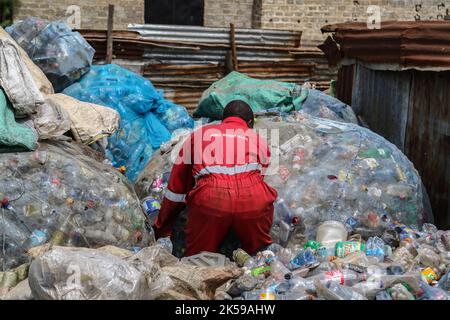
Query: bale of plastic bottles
{"points": [[147, 119], [270, 96], [150, 274], [61, 194], [326, 170], [62, 54]]}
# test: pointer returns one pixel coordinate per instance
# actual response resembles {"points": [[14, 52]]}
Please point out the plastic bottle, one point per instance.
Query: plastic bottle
{"points": [[433, 293], [444, 282], [335, 291], [278, 270], [383, 295], [400, 292], [303, 258], [59, 235], [375, 248], [331, 232], [344, 277], [242, 284], [166, 243]]}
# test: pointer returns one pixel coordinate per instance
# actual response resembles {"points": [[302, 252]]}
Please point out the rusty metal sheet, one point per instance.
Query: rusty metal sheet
{"points": [[344, 85], [411, 44], [382, 99], [428, 138]]}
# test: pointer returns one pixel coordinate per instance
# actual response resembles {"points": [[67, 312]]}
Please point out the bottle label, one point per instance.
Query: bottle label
{"points": [[38, 237], [151, 206], [260, 270], [267, 296], [240, 257], [335, 276], [429, 275], [344, 248]]}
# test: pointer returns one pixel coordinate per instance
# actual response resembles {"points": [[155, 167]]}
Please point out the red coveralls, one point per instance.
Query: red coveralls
{"points": [[219, 176]]}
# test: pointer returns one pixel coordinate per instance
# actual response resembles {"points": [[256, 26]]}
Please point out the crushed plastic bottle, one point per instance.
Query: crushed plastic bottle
{"points": [[166, 243], [375, 248]]}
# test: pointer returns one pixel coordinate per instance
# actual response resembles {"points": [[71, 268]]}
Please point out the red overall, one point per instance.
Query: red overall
{"points": [[219, 176]]}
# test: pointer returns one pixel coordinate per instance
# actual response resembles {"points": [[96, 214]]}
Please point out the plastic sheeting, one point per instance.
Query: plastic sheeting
{"points": [[89, 122], [147, 119], [44, 86], [270, 95], [84, 274], [17, 81], [14, 136], [152, 273], [61, 194], [51, 120], [327, 170], [63, 55]]}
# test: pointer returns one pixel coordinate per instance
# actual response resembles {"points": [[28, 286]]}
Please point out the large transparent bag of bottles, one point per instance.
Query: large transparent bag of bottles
{"points": [[61, 194]]}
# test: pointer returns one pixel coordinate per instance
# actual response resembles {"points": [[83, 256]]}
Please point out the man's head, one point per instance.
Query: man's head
{"points": [[240, 109]]}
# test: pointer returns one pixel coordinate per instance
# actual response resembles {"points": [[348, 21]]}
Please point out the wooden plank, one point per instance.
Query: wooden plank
{"points": [[233, 47], [109, 37]]}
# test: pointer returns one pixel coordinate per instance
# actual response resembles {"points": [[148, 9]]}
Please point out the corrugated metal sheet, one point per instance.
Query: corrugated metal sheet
{"points": [[428, 138], [195, 34], [185, 60], [382, 99], [412, 110], [423, 45], [344, 86]]}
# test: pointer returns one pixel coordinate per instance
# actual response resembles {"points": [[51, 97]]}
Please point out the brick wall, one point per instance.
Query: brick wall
{"points": [[220, 13], [306, 15], [93, 15], [310, 15]]}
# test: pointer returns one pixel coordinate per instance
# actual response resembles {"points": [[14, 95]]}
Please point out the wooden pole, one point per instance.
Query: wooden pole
{"points": [[109, 37], [233, 47]]}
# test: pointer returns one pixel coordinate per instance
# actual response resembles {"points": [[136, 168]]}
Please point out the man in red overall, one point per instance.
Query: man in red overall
{"points": [[219, 175]]}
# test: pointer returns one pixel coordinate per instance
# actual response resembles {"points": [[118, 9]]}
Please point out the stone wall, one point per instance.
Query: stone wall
{"points": [[310, 15], [93, 13], [306, 15], [220, 13]]}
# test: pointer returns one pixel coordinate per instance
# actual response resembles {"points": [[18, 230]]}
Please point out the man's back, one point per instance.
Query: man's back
{"points": [[219, 176]]}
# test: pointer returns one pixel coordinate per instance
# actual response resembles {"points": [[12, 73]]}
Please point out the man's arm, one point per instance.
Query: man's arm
{"points": [[263, 154], [180, 183]]}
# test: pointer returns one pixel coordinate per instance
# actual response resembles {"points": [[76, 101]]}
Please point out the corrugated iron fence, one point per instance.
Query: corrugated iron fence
{"points": [[186, 60], [399, 80]]}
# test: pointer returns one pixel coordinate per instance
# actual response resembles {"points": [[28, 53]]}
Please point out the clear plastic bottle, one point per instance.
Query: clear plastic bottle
{"points": [[335, 291], [433, 293], [278, 270], [242, 284], [375, 248], [383, 295], [344, 277], [166, 243], [444, 282]]}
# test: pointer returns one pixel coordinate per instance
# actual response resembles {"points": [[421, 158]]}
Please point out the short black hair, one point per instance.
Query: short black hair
{"points": [[240, 109]]}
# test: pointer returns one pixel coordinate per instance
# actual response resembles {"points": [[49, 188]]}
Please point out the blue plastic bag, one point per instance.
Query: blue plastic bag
{"points": [[147, 119]]}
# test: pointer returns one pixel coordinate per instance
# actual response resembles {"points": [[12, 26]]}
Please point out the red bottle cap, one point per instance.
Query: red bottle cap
{"points": [[5, 202]]}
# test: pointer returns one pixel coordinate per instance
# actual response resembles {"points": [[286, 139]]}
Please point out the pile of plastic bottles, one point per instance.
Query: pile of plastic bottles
{"points": [[62, 54], [400, 264], [59, 194], [326, 170]]}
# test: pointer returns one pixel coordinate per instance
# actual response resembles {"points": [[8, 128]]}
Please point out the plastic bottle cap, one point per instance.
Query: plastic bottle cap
{"points": [[5, 201]]}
